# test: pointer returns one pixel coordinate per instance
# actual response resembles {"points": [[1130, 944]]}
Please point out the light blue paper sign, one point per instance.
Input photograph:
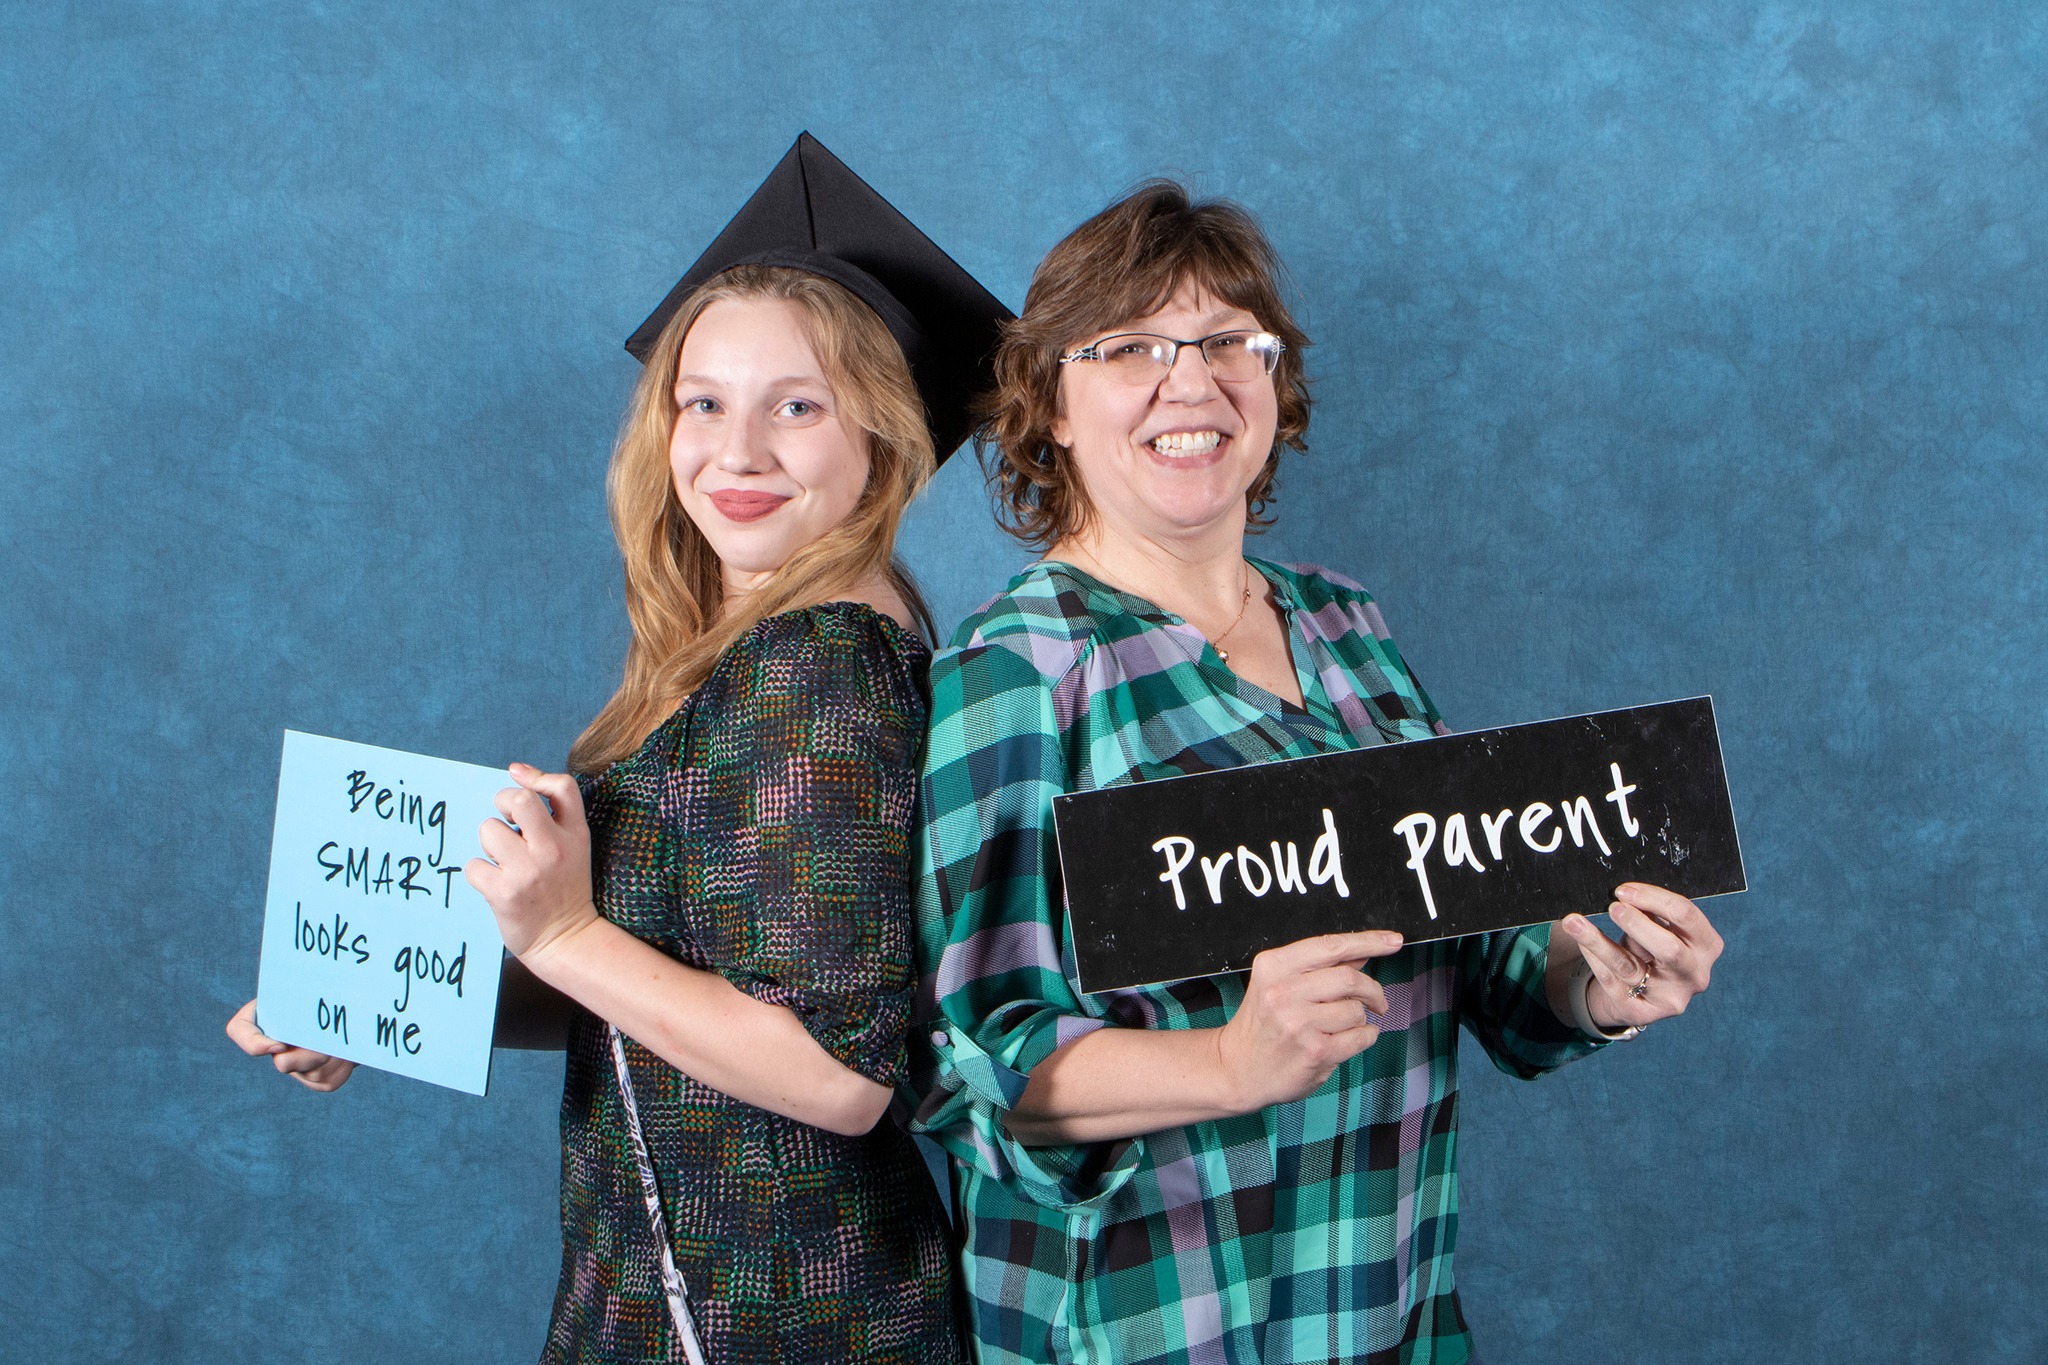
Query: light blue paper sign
{"points": [[374, 947]]}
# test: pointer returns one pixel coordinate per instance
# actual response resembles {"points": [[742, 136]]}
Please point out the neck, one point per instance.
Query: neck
{"points": [[877, 590], [738, 583], [1200, 582]]}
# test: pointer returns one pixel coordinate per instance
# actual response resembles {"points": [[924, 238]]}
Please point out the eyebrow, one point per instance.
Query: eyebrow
{"points": [[1210, 325], [713, 381]]}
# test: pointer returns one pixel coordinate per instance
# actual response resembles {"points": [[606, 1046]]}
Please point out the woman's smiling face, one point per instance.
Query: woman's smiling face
{"points": [[1174, 460], [764, 457]]}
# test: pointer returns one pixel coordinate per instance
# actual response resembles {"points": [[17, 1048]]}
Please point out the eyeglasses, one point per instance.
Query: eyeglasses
{"points": [[1142, 358]]}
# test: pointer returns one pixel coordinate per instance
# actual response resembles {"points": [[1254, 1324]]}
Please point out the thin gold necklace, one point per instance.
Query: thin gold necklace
{"points": [[1235, 621]]}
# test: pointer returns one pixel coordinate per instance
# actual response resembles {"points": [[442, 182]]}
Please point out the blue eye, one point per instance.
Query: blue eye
{"points": [[797, 407], [703, 407]]}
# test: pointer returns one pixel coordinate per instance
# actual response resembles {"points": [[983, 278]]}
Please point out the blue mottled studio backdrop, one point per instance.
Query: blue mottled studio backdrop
{"points": [[1661, 349]]}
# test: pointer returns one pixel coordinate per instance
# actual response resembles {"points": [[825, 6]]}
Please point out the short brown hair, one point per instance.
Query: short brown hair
{"points": [[1121, 264]]}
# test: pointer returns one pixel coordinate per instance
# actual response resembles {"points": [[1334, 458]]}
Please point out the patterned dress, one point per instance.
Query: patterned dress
{"points": [[763, 833], [1320, 1230]]}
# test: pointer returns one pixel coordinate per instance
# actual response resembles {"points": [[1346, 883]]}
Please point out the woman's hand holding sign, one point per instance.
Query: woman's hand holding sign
{"points": [[1665, 958], [1308, 1008], [537, 873], [314, 1070], [537, 878]]}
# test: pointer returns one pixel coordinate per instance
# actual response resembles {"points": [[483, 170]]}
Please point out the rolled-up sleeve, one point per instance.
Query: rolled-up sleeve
{"points": [[1503, 1004], [996, 999]]}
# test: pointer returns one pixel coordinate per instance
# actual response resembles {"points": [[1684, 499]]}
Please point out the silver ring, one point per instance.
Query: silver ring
{"points": [[1642, 987]]}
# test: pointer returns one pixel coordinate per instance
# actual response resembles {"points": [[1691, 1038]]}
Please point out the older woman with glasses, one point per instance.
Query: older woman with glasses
{"points": [[1257, 1167]]}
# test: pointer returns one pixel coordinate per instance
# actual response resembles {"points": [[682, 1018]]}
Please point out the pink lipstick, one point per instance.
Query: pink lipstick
{"points": [[735, 505]]}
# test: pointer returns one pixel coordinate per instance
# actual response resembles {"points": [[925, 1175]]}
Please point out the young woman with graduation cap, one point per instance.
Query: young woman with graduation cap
{"points": [[735, 983]]}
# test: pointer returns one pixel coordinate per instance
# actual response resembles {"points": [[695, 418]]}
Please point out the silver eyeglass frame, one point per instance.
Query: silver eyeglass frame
{"points": [[1272, 350]]}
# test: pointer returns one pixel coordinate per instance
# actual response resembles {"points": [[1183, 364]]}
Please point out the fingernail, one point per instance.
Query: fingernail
{"points": [[276, 1048], [1575, 925]]}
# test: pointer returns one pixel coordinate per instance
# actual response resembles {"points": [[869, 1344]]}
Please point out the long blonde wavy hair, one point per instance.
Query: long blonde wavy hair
{"points": [[682, 619]]}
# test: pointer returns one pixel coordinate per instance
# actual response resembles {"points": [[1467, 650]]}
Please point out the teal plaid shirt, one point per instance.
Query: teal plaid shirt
{"points": [[1320, 1230]]}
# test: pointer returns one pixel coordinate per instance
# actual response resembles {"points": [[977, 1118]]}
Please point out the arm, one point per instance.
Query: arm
{"points": [[1307, 1009], [624, 980], [1019, 1077], [1515, 983], [537, 881], [998, 1003], [704, 1026], [799, 905]]}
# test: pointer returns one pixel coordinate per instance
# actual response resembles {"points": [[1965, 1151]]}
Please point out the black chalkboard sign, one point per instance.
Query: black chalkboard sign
{"points": [[1436, 838]]}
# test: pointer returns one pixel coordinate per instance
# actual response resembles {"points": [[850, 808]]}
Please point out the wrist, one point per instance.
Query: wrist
{"points": [[1230, 1092], [557, 941], [1581, 1010]]}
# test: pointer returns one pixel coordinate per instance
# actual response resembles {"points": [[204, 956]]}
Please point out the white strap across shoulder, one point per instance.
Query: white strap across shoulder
{"points": [[671, 1278]]}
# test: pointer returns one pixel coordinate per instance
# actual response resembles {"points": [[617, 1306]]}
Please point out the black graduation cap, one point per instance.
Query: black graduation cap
{"points": [[814, 214]]}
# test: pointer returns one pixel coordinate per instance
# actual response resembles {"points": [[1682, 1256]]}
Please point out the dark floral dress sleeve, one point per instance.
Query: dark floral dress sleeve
{"points": [[804, 753]]}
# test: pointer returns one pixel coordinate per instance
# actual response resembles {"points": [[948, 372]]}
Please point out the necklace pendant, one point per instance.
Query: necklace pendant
{"points": [[1223, 654]]}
